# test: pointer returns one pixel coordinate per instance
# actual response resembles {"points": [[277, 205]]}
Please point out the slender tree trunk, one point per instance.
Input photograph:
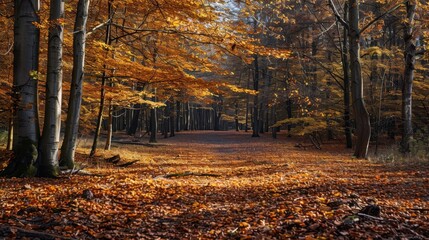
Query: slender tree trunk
{"points": [[246, 127], [166, 120], [109, 128], [134, 120], [187, 117], [68, 148], [153, 122], [49, 165], [103, 90], [345, 60], [255, 100], [172, 119], [273, 121], [237, 124], [153, 125], [10, 132], [407, 84], [178, 117], [25, 95], [99, 116], [289, 114], [363, 126]]}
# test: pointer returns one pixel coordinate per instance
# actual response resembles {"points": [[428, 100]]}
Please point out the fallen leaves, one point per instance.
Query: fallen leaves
{"points": [[263, 188]]}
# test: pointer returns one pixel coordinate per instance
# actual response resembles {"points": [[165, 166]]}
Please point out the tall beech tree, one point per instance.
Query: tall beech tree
{"points": [[410, 40], [25, 94], [361, 115], [363, 126], [68, 147], [48, 165]]}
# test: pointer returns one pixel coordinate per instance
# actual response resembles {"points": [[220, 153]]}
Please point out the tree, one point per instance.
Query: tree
{"points": [[48, 165], [68, 148], [363, 126], [25, 93], [153, 121], [410, 39], [104, 77]]}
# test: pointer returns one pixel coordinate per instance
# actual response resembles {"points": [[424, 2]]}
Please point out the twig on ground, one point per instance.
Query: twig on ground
{"points": [[184, 174]]}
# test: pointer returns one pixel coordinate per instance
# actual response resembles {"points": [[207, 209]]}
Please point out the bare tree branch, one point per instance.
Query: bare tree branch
{"points": [[381, 16], [337, 15]]}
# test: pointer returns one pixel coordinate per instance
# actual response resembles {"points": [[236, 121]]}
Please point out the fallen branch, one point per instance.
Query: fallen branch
{"points": [[21, 232], [184, 174], [80, 172], [141, 143], [115, 159], [127, 164], [370, 217]]}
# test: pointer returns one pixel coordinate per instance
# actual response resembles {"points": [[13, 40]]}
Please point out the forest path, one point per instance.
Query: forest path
{"points": [[226, 152]]}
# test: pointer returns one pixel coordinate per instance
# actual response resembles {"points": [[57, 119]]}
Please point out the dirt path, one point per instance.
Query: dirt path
{"points": [[240, 187]]}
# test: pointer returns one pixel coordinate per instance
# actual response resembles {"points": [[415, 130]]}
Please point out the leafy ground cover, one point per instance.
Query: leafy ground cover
{"points": [[221, 185]]}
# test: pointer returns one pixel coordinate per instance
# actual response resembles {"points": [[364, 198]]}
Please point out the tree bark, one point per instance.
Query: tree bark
{"points": [[363, 126], [25, 95], [68, 147], [407, 84], [345, 60], [48, 165]]}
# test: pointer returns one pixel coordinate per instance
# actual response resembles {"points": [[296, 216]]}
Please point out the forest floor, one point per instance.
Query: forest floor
{"points": [[221, 185]]}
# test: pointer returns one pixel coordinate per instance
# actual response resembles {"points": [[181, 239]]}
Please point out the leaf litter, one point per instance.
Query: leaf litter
{"points": [[222, 185]]}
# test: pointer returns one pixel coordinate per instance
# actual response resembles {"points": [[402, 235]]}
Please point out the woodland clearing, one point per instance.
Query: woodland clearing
{"points": [[221, 185]]}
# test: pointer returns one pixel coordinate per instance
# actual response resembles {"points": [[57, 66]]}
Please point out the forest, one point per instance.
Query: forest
{"points": [[214, 119]]}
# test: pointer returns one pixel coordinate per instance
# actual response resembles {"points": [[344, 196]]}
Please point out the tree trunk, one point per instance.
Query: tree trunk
{"points": [[25, 95], [289, 115], [246, 127], [68, 147], [48, 165], [187, 119], [407, 84], [153, 125], [363, 126], [172, 119], [99, 117], [153, 122], [108, 41], [10, 132], [134, 123], [255, 101], [166, 120], [237, 123], [178, 117], [345, 60], [109, 128]]}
